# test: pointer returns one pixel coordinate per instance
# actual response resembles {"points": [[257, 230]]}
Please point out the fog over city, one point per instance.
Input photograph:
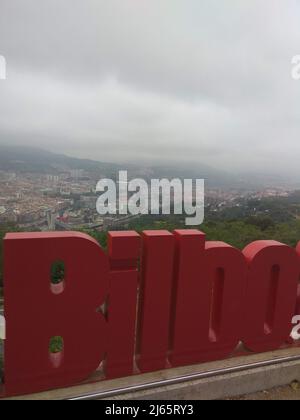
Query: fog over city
{"points": [[205, 81]]}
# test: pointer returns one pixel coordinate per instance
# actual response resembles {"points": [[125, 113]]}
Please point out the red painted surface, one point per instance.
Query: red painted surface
{"points": [[124, 252], [152, 302], [34, 314], [271, 295], [187, 311], [155, 300], [222, 297]]}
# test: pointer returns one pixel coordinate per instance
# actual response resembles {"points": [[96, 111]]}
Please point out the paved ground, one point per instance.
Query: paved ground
{"points": [[214, 388], [287, 393]]}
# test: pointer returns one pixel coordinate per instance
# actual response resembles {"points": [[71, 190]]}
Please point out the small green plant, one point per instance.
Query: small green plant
{"points": [[57, 272], [56, 345]]}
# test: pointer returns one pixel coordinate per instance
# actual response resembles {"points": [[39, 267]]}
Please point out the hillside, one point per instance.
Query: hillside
{"points": [[30, 159], [22, 159]]}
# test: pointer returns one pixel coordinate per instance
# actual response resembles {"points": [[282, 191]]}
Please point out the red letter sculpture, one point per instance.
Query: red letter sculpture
{"points": [[271, 295], [35, 314], [187, 290], [155, 300], [124, 252], [188, 301], [210, 289]]}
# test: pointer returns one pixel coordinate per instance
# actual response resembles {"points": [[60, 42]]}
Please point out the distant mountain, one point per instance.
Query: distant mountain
{"points": [[31, 159], [222, 179], [34, 160], [22, 159], [213, 177]]}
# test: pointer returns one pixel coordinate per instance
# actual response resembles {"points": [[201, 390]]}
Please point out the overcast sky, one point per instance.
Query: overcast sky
{"points": [[151, 80]]}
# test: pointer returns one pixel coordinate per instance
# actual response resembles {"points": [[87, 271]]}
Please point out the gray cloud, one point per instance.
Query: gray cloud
{"points": [[123, 80]]}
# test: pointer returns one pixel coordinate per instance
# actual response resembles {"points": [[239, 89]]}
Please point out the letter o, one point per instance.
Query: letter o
{"points": [[270, 295]]}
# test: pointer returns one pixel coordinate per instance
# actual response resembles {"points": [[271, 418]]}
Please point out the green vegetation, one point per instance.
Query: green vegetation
{"points": [[56, 345], [57, 272], [237, 233]]}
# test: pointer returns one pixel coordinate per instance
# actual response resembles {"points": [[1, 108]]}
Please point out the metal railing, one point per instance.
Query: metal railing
{"points": [[181, 379]]}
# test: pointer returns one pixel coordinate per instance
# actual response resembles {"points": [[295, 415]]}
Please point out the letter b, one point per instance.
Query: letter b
{"points": [[35, 312]]}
